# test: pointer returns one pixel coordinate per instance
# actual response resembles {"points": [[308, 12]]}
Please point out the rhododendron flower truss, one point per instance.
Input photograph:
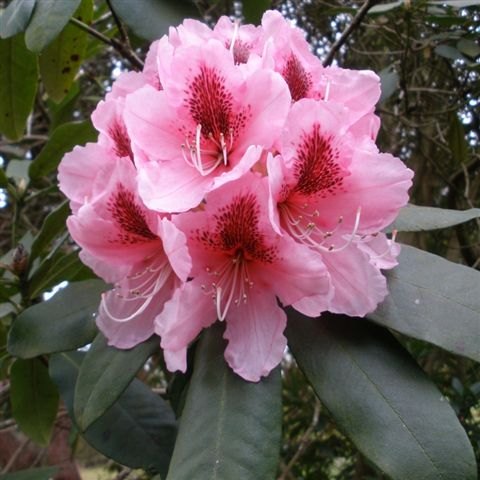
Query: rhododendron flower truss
{"points": [[240, 268]]}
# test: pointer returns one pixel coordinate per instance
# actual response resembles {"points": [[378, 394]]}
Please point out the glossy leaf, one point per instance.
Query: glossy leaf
{"points": [[253, 10], [18, 85], [414, 218], [61, 60], [63, 139], [229, 428], [386, 7], [380, 398], [433, 300], [150, 19], [138, 431], [456, 3], [52, 226], [15, 17], [48, 20], [105, 373], [34, 399], [44, 473], [63, 323]]}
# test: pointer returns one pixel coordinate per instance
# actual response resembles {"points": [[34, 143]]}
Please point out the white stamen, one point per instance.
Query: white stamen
{"points": [[234, 37]]}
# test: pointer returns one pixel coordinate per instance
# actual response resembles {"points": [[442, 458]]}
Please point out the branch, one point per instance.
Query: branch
{"points": [[357, 20], [120, 47]]}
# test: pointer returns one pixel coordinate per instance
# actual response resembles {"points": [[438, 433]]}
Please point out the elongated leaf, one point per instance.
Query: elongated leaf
{"points": [[433, 300], [456, 3], [457, 141], [63, 139], [150, 19], [63, 323], [44, 473], [18, 85], [229, 428], [61, 60], [385, 7], [413, 218], [15, 17], [48, 20], [381, 399], [34, 399], [105, 373], [254, 9], [389, 82], [138, 431], [449, 52], [53, 225]]}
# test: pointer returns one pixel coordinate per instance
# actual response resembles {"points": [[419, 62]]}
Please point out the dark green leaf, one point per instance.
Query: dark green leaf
{"points": [[52, 226], [413, 218], [469, 48], [18, 85], [381, 399], [63, 323], [61, 60], [254, 9], [34, 399], [449, 52], [150, 19], [457, 141], [48, 20], [15, 17], [63, 139], [389, 82], [105, 373], [45, 473], [138, 431], [433, 300], [63, 112], [229, 428], [3, 178]]}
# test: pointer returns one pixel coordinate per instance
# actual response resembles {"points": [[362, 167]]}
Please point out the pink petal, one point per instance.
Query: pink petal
{"points": [[359, 286], [255, 336]]}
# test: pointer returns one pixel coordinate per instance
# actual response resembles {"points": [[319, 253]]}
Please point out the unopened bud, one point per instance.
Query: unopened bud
{"points": [[20, 261]]}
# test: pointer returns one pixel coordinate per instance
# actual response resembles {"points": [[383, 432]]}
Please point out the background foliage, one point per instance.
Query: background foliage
{"points": [[57, 60]]}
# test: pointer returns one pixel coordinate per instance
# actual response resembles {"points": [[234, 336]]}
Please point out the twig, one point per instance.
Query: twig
{"points": [[15, 455], [348, 31], [120, 47]]}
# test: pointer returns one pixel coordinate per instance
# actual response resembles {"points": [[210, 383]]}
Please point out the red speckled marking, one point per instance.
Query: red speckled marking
{"points": [[316, 168], [129, 217], [298, 80], [236, 231], [118, 133]]}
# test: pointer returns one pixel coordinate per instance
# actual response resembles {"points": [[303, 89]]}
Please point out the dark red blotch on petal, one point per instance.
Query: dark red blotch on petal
{"points": [[129, 217], [316, 167], [236, 231], [298, 80], [122, 147]]}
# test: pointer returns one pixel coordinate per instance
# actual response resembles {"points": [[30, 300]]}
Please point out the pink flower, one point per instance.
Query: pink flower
{"points": [[202, 130], [239, 268], [332, 191], [144, 254]]}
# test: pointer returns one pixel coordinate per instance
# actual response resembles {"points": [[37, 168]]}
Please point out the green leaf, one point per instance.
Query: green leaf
{"points": [[468, 47], [63, 139], [48, 20], [34, 399], [3, 178], [15, 17], [105, 373], [389, 83], [386, 7], [457, 141], [18, 85], [380, 398], [138, 430], [433, 300], [53, 225], [456, 3], [414, 218], [229, 428], [449, 52], [61, 60], [63, 323], [150, 19], [44, 473], [254, 9]]}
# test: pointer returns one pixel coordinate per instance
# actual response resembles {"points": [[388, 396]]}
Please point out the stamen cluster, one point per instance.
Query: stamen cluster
{"points": [[234, 174]]}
